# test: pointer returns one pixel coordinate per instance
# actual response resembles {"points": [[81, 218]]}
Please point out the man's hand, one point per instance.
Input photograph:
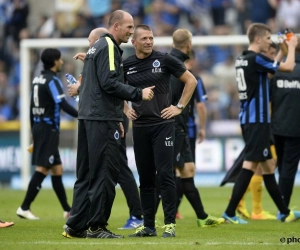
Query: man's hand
{"points": [[131, 114], [201, 135], [80, 56], [147, 93], [170, 112], [73, 89], [293, 41], [30, 148]]}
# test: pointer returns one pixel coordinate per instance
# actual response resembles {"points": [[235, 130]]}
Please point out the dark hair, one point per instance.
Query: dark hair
{"points": [[142, 27], [49, 56], [257, 29]]}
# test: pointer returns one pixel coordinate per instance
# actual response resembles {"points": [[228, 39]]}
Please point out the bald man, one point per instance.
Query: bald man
{"points": [[93, 37], [100, 115], [126, 179]]}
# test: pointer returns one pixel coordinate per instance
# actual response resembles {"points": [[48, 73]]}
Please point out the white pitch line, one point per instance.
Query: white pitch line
{"points": [[100, 242]]}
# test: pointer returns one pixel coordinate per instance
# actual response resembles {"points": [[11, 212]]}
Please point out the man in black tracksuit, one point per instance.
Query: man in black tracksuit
{"points": [[285, 92], [126, 179], [153, 126], [101, 102]]}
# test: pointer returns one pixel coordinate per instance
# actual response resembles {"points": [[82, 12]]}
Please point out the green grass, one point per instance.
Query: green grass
{"points": [[46, 233]]}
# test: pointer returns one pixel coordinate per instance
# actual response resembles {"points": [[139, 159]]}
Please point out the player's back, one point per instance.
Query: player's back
{"points": [[44, 98]]}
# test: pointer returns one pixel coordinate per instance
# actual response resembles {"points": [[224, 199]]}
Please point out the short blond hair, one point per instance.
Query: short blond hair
{"points": [[257, 29], [181, 37]]}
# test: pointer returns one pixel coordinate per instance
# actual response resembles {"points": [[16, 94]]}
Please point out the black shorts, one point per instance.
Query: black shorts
{"points": [[45, 145], [257, 141], [182, 150]]}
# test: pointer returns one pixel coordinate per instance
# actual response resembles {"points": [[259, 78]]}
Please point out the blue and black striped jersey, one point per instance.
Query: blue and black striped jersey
{"points": [[252, 79], [47, 94], [199, 95]]}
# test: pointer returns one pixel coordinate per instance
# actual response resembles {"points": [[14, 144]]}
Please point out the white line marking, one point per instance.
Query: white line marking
{"points": [[114, 242]]}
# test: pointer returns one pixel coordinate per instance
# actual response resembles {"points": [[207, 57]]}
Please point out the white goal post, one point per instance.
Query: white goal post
{"points": [[28, 44]]}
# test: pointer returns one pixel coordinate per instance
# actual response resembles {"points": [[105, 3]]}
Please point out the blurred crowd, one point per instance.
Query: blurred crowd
{"points": [[215, 64]]}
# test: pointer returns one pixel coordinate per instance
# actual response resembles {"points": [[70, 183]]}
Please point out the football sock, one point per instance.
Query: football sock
{"points": [[34, 187], [286, 189], [239, 189], [275, 193], [256, 193], [178, 183], [242, 202], [193, 196], [59, 189]]}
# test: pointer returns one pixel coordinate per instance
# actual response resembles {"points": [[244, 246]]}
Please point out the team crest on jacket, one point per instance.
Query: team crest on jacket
{"points": [[117, 135], [156, 68]]}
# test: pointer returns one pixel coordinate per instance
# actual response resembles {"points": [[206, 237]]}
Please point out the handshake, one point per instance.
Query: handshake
{"points": [[283, 38]]}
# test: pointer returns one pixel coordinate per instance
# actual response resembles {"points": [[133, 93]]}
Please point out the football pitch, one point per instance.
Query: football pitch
{"points": [[46, 233]]}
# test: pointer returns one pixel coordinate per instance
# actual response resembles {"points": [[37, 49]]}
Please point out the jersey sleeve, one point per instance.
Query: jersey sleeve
{"points": [[175, 66], [56, 90], [266, 64], [200, 92]]}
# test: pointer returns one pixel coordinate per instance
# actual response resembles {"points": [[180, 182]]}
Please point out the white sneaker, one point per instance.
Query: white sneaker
{"points": [[66, 214], [26, 214]]}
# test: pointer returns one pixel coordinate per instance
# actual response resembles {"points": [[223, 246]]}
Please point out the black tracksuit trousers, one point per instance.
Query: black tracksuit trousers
{"points": [[128, 184], [288, 156], [97, 173], [153, 148]]}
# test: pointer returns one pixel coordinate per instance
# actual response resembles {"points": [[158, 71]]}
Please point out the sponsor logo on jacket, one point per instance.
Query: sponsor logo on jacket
{"points": [[285, 84], [39, 80], [91, 50]]}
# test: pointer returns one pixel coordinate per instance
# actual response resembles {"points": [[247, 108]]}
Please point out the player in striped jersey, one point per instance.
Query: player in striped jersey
{"points": [[195, 131], [182, 157], [252, 69], [47, 99]]}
